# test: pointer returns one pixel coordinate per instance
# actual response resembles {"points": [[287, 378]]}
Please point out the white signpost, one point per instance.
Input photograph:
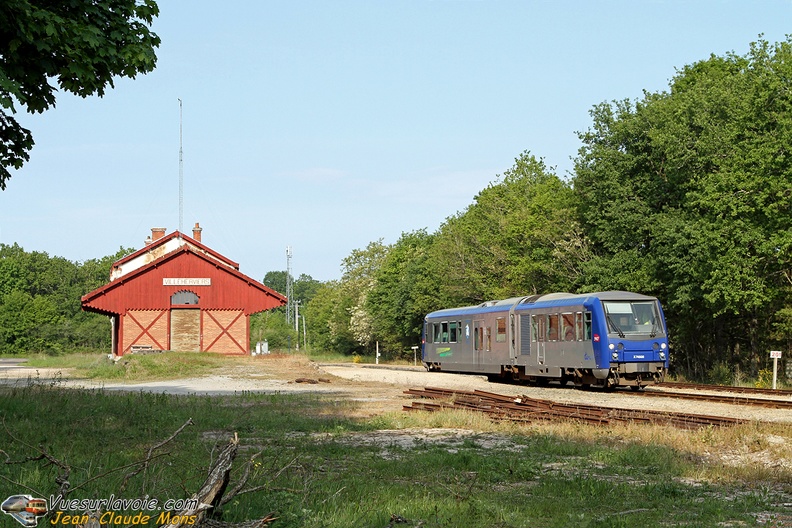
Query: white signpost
{"points": [[776, 355]]}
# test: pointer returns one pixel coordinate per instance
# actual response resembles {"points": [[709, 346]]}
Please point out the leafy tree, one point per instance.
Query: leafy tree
{"points": [[405, 290], [40, 302], [272, 327], [360, 270], [27, 322], [305, 288], [337, 316], [327, 317], [518, 237], [277, 280], [686, 194], [77, 46]]}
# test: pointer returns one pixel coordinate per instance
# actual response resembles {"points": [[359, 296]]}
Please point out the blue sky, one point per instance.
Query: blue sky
{"points": [[326, 125]]}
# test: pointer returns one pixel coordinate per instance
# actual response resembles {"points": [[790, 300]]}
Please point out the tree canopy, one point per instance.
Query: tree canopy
{"points": [[78, 46], [688, 194], [40, 307]]}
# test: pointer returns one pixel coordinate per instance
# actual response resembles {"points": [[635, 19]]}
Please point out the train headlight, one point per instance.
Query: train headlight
{"points": [[621, 347], [615, 355], [663, 346], [655, 345], [611, 346]]}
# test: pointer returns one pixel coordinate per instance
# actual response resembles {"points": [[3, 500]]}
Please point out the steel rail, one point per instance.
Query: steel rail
{"points": [[723, 388], [714, 398], [526, 409]]}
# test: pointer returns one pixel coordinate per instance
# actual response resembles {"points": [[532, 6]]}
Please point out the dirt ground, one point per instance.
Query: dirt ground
{"points": [[379, 387]]}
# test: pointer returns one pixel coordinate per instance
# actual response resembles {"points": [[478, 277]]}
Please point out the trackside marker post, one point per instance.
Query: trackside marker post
{"points": [[776, 355]]}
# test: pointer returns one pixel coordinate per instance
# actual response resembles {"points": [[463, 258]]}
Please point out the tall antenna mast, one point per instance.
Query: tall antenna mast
{"points": [[289, 293], [181, 173]]}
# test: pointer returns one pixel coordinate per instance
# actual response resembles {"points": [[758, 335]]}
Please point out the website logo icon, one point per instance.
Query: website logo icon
{"points": [[25, 509]]}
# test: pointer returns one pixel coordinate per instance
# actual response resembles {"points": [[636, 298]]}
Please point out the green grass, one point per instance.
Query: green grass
{"points": [[132, 367], [315, 474]]}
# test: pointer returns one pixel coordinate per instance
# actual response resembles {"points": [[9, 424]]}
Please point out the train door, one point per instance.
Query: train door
{"points": [[514, 332], [540, 331], [512, 337], [480, 342]]}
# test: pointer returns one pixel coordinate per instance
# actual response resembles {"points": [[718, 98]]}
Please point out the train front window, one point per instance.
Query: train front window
{"points": [[633, 318]]}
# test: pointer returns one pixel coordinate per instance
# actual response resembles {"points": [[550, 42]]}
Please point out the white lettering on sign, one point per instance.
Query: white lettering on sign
{"points": [[187, 282], [775, 354]]}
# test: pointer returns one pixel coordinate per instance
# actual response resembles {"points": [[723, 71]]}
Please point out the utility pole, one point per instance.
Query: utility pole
{"points": [[305, 335], [297, 322]]}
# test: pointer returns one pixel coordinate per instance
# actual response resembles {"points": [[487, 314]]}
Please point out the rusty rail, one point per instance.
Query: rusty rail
{"points": [[724, 388], [526, 409], [718, 398]]}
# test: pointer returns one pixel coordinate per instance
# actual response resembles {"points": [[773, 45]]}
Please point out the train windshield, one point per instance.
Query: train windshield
{"points": [[633, 318]]}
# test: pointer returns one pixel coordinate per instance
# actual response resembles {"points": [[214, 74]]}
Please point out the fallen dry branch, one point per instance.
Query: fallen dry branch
{"points": [[211, 496]]}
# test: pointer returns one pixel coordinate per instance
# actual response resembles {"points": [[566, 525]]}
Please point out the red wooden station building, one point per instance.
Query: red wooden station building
{"points": [[177, 294]]}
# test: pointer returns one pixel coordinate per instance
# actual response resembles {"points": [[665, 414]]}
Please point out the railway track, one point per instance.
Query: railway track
{"points": [[724, 388], [525, 409], [716, 398]]}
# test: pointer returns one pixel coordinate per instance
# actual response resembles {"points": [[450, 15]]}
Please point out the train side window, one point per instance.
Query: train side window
{"points": [[452, 330], [568, 326], [587, 326], [444, 334], [552, 327], [488, 338], [436, 332], [500, 337], [579, 326]]}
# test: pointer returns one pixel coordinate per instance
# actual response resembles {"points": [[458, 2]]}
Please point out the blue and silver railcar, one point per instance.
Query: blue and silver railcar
{"points": [[606, 339]]}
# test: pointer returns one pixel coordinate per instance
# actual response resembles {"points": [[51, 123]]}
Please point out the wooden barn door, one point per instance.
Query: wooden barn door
{"points": [[185, 334], [144, 328], [225, 331]]}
